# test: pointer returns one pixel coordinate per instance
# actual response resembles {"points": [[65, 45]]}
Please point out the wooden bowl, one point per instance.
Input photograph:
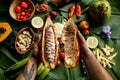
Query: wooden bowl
{"points": [[15, 3], [32, 39]]}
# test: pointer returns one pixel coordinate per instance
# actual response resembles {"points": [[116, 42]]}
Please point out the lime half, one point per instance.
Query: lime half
{"points": [[92, 42], [37, 22]]}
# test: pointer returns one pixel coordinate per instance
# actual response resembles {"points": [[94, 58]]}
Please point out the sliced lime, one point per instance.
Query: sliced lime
{"points": [[92, 42], [37, 22]]}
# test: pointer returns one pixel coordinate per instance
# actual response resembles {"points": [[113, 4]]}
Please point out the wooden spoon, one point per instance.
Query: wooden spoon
{"points": [[15, 3]]}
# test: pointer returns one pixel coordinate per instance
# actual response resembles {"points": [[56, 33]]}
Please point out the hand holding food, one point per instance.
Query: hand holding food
{"points": [[61, 45], [83, 45]]}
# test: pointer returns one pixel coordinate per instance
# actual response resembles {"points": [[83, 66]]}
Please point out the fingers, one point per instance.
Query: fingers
{"points": [[80, 37], [35, 52]]}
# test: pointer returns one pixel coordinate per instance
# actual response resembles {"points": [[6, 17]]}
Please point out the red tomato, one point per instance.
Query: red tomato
{"points": [[18, 14], [38, 30], [18, 17], [22, 18], [29, 10], [26, 10], [62, 55], [86, 32], [58, 63], [24, 5], [28, 14], [17, 9]]}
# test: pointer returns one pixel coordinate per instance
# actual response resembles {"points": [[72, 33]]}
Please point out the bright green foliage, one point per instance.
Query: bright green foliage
{"points": [[9, 56]]}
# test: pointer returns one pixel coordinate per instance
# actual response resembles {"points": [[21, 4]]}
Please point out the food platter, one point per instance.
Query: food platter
{"points": [[9, 55]]}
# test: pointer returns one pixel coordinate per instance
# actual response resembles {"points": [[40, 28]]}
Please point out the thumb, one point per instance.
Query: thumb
{"points": [[80, 37]]}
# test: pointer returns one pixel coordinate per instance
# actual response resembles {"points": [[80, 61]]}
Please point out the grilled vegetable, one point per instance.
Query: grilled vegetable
{"points": [[70, 42], [49, 45]]}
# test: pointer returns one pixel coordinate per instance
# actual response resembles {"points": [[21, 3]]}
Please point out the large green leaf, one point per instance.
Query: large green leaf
{"points": [[2, 76], [6, 57], [61, 73], [9, 56]]}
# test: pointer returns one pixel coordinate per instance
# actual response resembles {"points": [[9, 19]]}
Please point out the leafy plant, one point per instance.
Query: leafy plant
{"points": [[8, 55]]}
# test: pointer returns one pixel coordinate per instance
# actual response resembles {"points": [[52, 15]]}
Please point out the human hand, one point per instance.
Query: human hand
{"points": [[94, 68], [29, 72], [84, 50], [36, 49]]}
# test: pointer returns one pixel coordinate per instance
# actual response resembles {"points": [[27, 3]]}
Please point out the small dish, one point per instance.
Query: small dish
{"points": [[24, 40], [17, 2]]}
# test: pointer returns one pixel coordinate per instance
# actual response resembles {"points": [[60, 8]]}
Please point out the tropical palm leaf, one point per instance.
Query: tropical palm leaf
{"points": [[9, 56]]}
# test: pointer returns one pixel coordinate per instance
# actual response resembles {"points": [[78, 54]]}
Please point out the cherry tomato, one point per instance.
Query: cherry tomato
{"points": [[28, 14], [24, 5], [86, 32], [22, 18], [18, 14], [17, 9], [22, 9], [23, 13], [62, 55], [29, 10], [18, 17], [38, 30], [26, 10], [58, 63]]}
